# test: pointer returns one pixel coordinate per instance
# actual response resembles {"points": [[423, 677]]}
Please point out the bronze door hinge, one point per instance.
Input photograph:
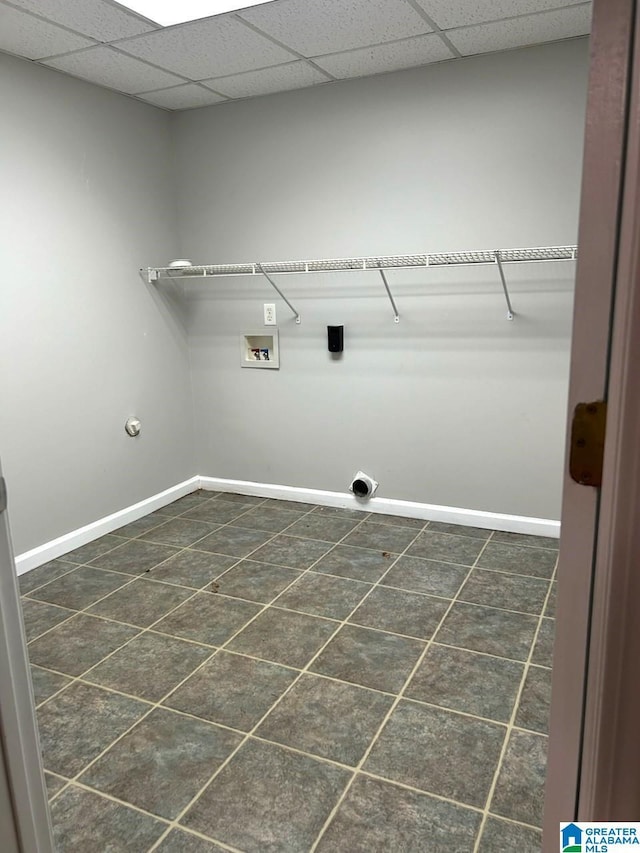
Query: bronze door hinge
{"points": [[587, 443]]}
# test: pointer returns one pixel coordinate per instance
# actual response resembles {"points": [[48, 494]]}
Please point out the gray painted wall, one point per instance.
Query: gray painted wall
{"points": [[455, 406], [86, 179]]}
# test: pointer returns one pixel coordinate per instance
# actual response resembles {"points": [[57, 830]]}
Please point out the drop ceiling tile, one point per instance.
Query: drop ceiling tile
{"points": [[328, 26], [386, 57], [182, 97], [107, 67], [95, 18], [463, 13], [280, 78], [210, 48], [27, 36], [518, 32]]}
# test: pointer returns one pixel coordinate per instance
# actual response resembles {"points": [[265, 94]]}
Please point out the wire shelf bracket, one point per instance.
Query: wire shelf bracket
{"points": [[278, 291], [396, 316], [504, 286]]}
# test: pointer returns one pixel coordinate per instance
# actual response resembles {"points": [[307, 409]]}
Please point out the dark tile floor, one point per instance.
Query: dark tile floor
{"points": [[232, 673]]}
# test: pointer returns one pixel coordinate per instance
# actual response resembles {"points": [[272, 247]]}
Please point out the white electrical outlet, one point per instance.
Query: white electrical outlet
{"points": [[269, 314]]}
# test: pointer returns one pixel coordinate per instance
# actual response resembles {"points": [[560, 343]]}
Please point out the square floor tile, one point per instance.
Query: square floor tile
{"points": [[179, 841], [328, 528], [486, 629], [294, 506], [255, 581], [428, 576], [39, 617], [46, 683], [519, 792], [498, 589], [543, 649], [195, 499], [465, 681], [218, 512], [270, 518], [233, 690], [292, 552], [79, 723], [78, 644], [459, 530], [401, 612], [149, 666], [94, 549], [139, 526], [327, 718], [535, 702], [358, 564], [437, 751], [86, 821], [180, 532], [53, 784], [284, 637], [447, 548], [500, 836], [43, 574], [81, 588], [379, 816], [207, 618], [162, 763], [268, 800], [135, 557], [341, 512], [397, 521], [381, 537], [141, 602], [524, 539], [234, 541], [537, 562], [235, 497], [324, 595], [369, 658], [194, 569]]}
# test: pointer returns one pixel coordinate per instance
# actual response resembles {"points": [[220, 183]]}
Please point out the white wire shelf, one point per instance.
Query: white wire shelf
{"points": [[381, 263]]}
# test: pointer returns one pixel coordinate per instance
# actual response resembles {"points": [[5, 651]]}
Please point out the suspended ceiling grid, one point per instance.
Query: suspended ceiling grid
{"points": [[276, 47]]}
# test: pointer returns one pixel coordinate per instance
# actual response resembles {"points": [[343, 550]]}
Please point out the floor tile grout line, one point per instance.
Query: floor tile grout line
{"points": [[190, 547], [153, 629], [133, 578], [154, 706], [274, 603], [290, 686], [512, 719], [110, 689], [392, 708], [240, 560]]}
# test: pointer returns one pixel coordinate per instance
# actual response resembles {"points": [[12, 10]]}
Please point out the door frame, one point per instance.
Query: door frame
{"points": [[24, 810], [589, 701]]}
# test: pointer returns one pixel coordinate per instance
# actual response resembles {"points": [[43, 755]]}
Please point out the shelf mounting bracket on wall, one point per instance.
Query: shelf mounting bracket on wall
{"points": [[261, 269], [396, 316], [504, 285]]}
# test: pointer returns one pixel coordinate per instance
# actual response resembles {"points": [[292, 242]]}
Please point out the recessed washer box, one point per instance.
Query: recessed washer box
{"points": [[260, 349]]}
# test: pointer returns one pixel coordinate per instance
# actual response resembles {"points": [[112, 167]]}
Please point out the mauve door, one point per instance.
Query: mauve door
{"points": [[598, 290]]}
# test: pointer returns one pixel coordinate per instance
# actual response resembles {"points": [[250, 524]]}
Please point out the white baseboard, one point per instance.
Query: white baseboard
{"points": [[390, 506], [76, 538], [385, 506]]}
